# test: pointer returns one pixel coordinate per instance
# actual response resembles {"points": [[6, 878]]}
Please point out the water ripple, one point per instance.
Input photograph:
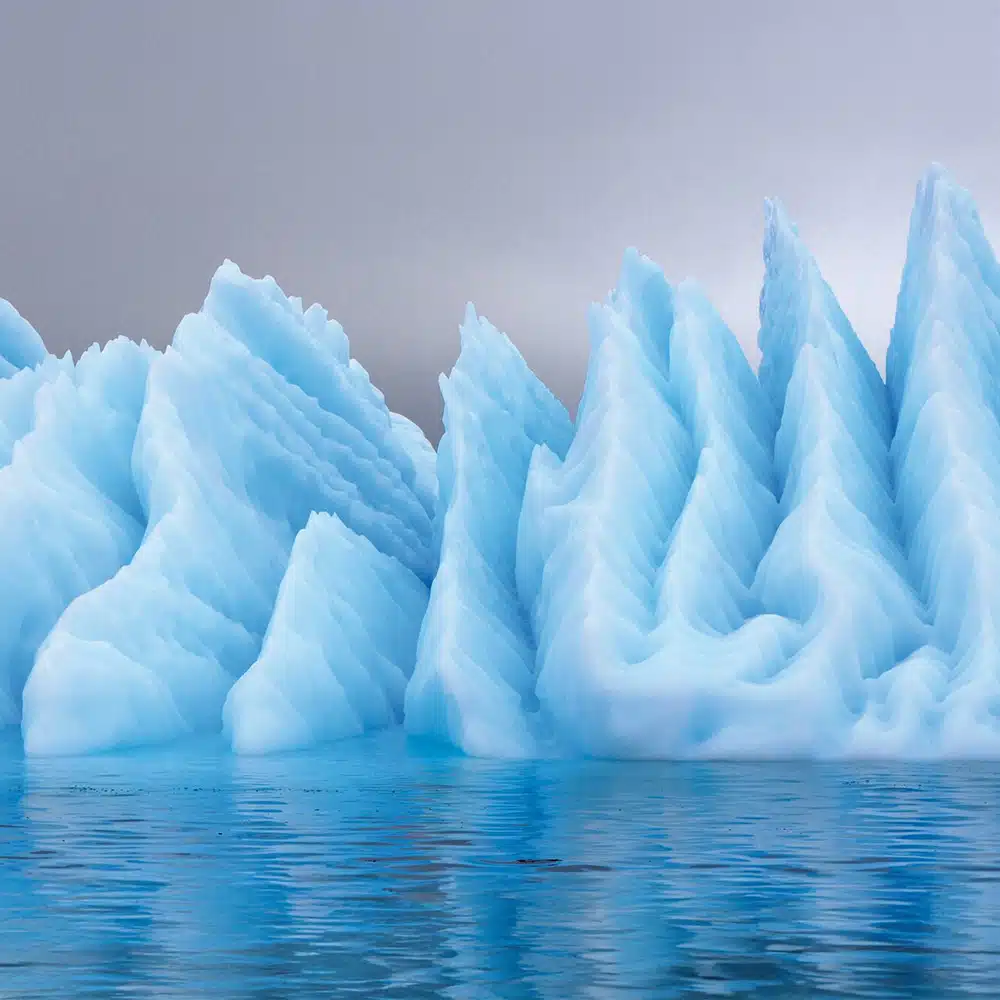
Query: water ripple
{"points": [[371, 870]]}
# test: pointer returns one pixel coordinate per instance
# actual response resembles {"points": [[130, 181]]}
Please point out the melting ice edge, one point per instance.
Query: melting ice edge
{"points": [[238, 533]]}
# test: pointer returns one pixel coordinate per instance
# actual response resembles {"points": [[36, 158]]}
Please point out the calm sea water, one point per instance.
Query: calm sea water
{"points": [[372, 869]]}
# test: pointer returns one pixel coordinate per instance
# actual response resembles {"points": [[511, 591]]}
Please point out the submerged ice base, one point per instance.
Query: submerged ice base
{"points": [[238, 534]]}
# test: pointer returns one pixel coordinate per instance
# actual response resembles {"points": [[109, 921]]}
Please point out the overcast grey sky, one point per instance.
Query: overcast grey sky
{"points": [[393, 160]]}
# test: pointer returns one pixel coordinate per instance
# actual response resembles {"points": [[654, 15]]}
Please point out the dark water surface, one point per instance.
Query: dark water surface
{"points": [[368, 870]]}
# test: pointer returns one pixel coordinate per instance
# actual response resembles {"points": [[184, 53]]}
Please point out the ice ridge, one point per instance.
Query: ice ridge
{"points": [[69, 513], [473, 685], [649, 534], [942, 370], [835, 568], [339, 648], [253, 418]]}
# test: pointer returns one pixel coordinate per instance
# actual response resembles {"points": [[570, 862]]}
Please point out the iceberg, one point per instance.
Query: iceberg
{"points": [[473, 684], [253, 418], [238, 535], [339, 648]]}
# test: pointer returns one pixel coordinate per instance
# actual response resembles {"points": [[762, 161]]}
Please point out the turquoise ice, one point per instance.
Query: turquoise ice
{"points": [[943, 373], [638, 553]]}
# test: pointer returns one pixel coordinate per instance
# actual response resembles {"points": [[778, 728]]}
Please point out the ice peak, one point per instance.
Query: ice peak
{"points": [[944, 218], [485, 353], [786, 258], [778, 227], [644, 300], [636, 270], [950, 274], [478, 336], [937, 191], [20, 344]]}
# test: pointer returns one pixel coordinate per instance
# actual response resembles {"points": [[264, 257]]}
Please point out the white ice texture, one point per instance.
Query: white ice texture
{"points": [[238, 535]]}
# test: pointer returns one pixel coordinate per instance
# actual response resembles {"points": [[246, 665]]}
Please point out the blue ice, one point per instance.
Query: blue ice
{"points": [[69, 513], [473, 686], [339, 648], [253, 418], [20, 344]]}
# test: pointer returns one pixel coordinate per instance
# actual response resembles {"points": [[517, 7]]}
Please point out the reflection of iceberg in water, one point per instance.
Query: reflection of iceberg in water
{"points": [[25, 948], [356, 871], [137, 862], [962, 910], [491, 815], [91, 845], [365, 871], [571, 883]]}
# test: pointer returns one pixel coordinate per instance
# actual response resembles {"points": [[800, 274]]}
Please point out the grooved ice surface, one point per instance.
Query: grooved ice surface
{"points": [[424, 458], [637, 555], [339, 649], [942, 369], [836, 567], [475, 672], [69, 514], [253, 418]]}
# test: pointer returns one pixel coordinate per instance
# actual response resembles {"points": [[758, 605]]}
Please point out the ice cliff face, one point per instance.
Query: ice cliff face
{"points": [[836, 568], [237, 534]]}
